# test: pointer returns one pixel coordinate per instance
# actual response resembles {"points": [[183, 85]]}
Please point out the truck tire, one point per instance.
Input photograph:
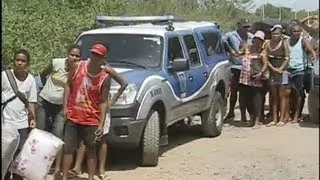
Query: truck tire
{"points": [[313, 104], [150, 140], [212, 119]]}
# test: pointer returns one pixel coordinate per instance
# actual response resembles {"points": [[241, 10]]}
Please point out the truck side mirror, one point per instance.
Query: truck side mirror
{"points": [[179, 64]]}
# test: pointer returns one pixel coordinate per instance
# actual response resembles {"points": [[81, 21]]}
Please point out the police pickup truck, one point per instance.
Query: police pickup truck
{"points": [[175, 70]]}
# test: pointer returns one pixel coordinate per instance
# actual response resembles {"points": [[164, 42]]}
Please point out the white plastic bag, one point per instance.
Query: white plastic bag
{"points": [[9, 142], [106, 126], [37, 155]]}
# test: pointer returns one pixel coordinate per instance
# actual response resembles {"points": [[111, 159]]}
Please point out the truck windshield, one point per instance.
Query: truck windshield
{"points": [[126, 49]]}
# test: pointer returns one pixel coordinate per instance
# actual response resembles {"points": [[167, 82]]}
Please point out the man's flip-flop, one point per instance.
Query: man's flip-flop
{"points": [[280, 124], [271, 124], [74, 172], [104, 176]]}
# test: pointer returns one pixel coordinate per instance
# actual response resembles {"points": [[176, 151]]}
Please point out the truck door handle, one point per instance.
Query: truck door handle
{"points": [[205, 74], [190, 78]]}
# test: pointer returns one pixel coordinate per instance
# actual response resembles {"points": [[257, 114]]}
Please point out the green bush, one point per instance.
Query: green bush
{"points": [[47, 27]]}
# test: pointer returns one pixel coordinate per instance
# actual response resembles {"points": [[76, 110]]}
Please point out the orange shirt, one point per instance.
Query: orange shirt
{"points": [[85, 96]]}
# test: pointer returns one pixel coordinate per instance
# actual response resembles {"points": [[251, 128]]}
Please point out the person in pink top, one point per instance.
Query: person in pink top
{"points": [[253, 73]]}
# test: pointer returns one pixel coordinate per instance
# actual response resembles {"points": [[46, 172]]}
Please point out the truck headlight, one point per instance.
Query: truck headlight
{"points": [[127, 97]]}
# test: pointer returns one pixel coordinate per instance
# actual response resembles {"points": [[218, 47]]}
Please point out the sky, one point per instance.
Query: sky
{"points": [[308, 5]]}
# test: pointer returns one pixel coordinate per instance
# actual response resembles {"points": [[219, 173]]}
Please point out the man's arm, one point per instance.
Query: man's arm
{"points": [[286, 55], [234, 42], [120, 80], [308, 48], [305, 26], [47, 70], [68, 86], [32, 100], [104, 106], [265, 63]]}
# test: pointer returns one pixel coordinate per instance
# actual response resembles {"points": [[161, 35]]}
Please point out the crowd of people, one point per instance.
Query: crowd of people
{"points": [[74, 103], [269, 61]]}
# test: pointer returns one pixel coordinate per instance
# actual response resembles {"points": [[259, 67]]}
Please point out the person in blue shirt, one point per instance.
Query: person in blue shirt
{"points": [[299, 47], [237, 39]]}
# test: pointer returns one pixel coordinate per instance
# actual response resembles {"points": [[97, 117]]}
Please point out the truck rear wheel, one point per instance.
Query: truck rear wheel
{"points": [[212, 119], [150, 140]]}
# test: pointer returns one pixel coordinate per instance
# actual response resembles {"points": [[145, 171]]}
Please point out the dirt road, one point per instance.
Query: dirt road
{"points": [[239, 153]]}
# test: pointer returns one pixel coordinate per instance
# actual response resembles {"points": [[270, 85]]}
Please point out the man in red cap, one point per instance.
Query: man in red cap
{"points": [[85, 107]]}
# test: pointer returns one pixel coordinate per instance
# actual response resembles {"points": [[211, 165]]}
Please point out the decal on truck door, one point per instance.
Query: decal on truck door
{"points": [[183, 84]]}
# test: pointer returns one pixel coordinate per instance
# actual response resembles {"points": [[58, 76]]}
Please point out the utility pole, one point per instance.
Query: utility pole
{"points": [[296, 15], [280, 14], [263, 12]]}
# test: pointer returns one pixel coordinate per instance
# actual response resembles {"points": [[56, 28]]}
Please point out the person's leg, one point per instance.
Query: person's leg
{"points": [[264, 91], [103, 157], [71, 143], [270, 103], [299, 95], [274, 92], [88, 137], [243, 97], [57, 130], [303, 100], [287, 92], [23, 138], [42, 115], [257, 104], [282, 98], [79, 158], [234, 88]]}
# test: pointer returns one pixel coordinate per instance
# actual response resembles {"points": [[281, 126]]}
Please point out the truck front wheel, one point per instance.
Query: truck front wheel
{"points": [[212, 119], [150, 140]]}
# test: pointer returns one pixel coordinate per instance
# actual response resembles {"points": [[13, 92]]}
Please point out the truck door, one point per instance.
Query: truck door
{"points": [[198, 73]]}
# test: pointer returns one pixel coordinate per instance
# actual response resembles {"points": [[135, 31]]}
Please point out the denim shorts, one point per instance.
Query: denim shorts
{"points": [[50, 117], [279, 79]]}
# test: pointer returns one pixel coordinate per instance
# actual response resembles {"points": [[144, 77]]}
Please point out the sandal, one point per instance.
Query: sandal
{"points": [[271, 124], [280, 124], [104, 176], [74, 172]]}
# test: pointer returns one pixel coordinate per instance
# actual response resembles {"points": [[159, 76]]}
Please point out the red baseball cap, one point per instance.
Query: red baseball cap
{"points": [[99, 49]]}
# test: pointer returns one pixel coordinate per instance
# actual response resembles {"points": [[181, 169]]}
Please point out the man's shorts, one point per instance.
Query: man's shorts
{"points": [[296, 82], [74, 133]]}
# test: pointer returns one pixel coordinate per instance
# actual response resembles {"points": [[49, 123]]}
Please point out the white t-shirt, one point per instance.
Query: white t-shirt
{"points": [[15, 113], [53, 90]]}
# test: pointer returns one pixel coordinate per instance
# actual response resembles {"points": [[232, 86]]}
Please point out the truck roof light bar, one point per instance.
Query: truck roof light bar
{"points": [[135, 19]]}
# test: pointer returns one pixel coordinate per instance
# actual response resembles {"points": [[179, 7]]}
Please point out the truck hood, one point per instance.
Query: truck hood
{"points": [[133, 76]]}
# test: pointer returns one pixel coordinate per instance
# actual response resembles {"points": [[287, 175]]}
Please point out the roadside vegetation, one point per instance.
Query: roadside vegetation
{"points": [[47, 27]]}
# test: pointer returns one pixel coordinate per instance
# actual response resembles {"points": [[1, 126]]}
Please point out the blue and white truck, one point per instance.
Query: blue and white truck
{"points": [[175, 70]]}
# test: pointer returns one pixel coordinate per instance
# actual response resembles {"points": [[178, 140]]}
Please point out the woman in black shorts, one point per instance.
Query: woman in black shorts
{"points": [[277, 51]]}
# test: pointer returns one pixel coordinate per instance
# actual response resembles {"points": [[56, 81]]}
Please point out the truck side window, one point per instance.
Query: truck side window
{"points": [[192, 50], [174, 49], [212, 43]]}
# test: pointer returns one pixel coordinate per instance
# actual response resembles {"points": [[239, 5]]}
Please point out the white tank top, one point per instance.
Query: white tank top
{"points": [[53, 89]]}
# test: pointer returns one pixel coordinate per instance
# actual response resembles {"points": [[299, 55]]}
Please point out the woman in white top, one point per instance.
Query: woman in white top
{"points": [[14, 111], [51, 96]]}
